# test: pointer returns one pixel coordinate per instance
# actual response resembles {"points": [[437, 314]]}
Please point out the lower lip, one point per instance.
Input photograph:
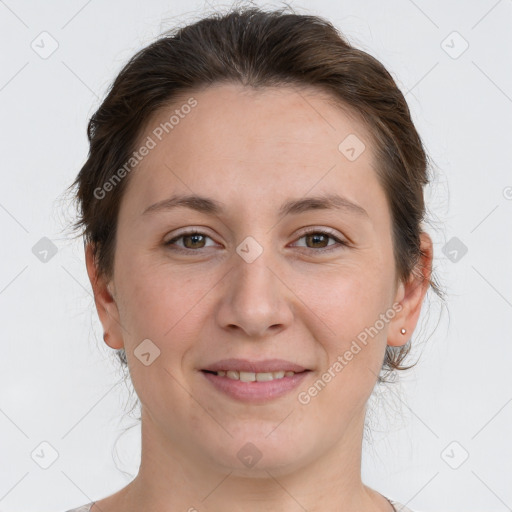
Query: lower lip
{"points": [[256, 392]]}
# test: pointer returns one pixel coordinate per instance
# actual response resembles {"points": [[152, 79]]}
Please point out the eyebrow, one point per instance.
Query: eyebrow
{"points": [[292, 207]]}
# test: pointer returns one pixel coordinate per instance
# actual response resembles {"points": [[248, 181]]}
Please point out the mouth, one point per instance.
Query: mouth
{"points": [[242, 366], [254, 387], [244, 376]]}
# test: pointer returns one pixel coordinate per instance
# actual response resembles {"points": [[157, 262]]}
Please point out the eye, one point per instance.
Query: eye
{"points": [[319, 240], [191, 240]]}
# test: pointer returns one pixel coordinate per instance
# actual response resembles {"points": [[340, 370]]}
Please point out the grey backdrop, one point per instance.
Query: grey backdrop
{"points": [[441, 438]]}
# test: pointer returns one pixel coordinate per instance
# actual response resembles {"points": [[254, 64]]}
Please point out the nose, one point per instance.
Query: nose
{"points": [[255, 300]]}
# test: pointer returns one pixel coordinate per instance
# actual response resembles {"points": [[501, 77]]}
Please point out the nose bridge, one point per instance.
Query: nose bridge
{"points": [[254, 299], [254, 284], [252, 276]]}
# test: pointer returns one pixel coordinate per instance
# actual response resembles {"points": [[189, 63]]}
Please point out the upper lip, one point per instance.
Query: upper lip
{"points": [[244, 365]]}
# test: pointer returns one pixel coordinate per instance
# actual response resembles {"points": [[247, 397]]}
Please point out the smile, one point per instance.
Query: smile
{"points": [[253, 376], [254, 387]]}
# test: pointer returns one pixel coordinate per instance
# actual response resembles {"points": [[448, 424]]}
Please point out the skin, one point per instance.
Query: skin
{"points": [[254, 150]]}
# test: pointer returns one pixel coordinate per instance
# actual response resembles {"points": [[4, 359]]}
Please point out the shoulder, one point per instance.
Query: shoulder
{"points": [[83, 508], [398, 507]]}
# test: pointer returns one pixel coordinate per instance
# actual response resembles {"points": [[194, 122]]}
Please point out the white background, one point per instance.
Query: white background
{"points": [[58, 383]]}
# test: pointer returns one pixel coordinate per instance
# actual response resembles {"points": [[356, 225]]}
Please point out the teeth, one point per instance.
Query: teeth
{"points": [[252, 376]]}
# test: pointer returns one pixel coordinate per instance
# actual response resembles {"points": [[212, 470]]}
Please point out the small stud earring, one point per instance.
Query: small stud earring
{"points": [[403, 331]]}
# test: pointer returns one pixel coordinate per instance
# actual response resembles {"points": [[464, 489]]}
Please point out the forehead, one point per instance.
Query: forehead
{"points": [[239, 142]]}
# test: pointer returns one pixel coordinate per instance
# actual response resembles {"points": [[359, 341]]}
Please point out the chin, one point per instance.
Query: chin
{"points": [[256, 456]]}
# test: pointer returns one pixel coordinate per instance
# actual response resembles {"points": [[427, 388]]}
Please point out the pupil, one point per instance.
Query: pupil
{"points": [[316, 237], [194, 238]]}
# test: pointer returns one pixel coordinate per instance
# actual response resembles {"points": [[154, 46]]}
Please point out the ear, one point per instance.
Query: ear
{"points": [[105, 302], [411, 294]]}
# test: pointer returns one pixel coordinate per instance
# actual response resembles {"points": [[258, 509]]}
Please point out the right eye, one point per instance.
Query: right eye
{"points": [[192, 240]]}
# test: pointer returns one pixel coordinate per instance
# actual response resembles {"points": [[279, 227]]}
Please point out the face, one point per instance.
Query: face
{"points": [[257, 281]]}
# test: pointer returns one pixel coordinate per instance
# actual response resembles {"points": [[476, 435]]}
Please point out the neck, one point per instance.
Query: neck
{"points": [[172, 477]]}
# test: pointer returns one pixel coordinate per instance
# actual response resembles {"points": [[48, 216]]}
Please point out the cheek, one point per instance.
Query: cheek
{"points": [[353, 344], [161, 300], [350, 303], [352, 294], [163, 305]]}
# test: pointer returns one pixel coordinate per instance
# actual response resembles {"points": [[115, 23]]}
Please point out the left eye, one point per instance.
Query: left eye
{"points": [[319, 237], [197, 240]]}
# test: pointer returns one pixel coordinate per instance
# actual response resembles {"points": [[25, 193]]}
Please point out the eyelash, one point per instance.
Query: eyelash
{"points": [[324, 232]]}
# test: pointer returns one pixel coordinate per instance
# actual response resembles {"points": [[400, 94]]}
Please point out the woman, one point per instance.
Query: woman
{"points": [[252, 210]]}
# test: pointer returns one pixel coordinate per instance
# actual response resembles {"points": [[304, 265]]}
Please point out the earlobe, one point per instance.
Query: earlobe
{"points": [[105, 303], [399, 331], [411, 295]]}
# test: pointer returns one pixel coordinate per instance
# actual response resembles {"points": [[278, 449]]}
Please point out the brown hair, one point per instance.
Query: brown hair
{"points": [[257, 49]]}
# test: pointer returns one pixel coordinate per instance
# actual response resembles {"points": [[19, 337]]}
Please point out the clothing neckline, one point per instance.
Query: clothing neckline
{"points": [[391, 502]]}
